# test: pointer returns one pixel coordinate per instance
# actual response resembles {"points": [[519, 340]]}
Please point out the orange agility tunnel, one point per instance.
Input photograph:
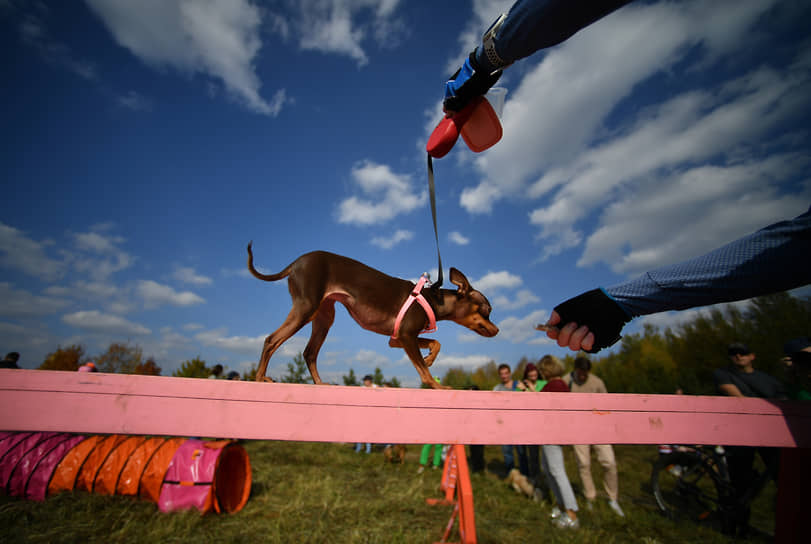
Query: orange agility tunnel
{"points": [[175, 473]]}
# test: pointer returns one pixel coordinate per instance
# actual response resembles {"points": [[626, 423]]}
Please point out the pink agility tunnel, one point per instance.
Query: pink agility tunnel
{"points": [[204, 475], [175, 473]]}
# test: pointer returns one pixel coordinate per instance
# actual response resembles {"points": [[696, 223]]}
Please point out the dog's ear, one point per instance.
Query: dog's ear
{"points": [[457, 278]]}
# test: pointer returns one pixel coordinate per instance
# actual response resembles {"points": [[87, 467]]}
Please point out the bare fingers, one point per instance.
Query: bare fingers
{"points": [[569, 335]]}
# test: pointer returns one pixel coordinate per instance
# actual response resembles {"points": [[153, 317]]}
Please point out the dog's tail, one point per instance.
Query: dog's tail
{"points": [[266, 277]]}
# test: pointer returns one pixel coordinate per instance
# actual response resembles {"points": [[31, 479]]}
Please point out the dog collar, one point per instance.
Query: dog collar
{"points": [[416, 294]]}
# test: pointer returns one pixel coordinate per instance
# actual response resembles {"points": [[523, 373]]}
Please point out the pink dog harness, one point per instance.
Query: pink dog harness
{"points": [[416, 294]]}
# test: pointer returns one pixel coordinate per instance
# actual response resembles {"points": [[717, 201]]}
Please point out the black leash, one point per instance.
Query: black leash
{"points": [[432, 194]]}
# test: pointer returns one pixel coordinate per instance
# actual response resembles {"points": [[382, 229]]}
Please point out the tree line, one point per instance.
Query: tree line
{"points": [[124, 358]]}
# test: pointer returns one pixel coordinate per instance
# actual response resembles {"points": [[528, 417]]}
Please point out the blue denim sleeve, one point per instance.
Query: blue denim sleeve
{"points": [[535, 24], [770, 260]]}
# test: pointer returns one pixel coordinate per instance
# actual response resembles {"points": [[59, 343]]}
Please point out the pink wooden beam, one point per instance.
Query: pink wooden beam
{"points": [[155, 405]]}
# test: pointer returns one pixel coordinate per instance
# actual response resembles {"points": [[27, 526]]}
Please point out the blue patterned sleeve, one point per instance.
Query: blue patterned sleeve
{"points": [[767, 261], [536, 24]]}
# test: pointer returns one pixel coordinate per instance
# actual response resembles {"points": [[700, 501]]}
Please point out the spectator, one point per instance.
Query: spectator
{"points": [[532, 378], [368, 381], [741, 379], [476, 450], [425, 454], [89, 366], [508, 384], [233, 375], [216, 372], [797, 361], [533, 382], [581, 380], [553, 463], [11, 360]]}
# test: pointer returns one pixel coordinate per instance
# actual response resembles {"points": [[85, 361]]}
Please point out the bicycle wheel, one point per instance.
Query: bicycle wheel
{"points": [[684, 487]]}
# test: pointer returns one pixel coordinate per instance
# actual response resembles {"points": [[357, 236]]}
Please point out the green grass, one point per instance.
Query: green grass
{"points": [[312, 492]]}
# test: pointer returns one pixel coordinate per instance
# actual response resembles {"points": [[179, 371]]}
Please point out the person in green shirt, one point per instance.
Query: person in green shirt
{"points": [[533, 381]]}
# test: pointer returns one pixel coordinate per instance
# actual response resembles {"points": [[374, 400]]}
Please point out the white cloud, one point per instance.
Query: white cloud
{"points": [[522, 329], [559, 107], [484, 13], [135, 101], [691, 127], [674, 320], [187, 274], [522, 298], [341, 26], [34, 33], [497, 280], [171, 340], [458, 238], [95, 321], [694, 212], [386, 195], [21, 303], [103, 258], [480, 199], [389, 242], [369, 359], [155, 294], [666, 177], [241, 344], [19, 252], [95, 242], [249, 344], [217, 39], [469, 362]]}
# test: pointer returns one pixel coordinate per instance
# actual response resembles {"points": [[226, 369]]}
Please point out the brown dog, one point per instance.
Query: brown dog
{"points": [[317, 280], [394, 453]]}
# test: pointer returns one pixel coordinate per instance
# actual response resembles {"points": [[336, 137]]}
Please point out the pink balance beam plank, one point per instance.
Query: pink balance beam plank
{"points": [[154, 405]]}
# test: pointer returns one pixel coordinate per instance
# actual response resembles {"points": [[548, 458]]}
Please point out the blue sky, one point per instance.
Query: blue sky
{"points": [[144, 144]]}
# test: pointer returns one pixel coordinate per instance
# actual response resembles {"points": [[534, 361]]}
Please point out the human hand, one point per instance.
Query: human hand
{"points": [[590, 321], [569, 335], [467, 83]]}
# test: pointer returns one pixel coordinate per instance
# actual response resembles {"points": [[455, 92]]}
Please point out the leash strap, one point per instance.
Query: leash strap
{"points": [[432, 194]]}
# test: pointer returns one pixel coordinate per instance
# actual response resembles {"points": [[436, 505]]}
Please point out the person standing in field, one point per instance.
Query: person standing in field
{"points": [[581, 380]]}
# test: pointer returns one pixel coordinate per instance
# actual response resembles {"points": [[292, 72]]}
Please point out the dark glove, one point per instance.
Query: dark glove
{"points": [[468, 82], [599, 312]]}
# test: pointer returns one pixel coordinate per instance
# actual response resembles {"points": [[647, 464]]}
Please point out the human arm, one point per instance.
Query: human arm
{"points": [[725, 383], [530, 25], [767, 261], [730, 390]]}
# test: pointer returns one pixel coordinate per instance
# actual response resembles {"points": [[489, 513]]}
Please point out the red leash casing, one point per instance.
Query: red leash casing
{"points": [[477, 123]]}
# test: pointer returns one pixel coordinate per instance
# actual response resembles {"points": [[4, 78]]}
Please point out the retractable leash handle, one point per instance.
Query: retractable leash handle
{"points": [[477, 123]]}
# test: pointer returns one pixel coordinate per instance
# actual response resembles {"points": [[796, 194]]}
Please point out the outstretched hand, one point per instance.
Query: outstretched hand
{"points": [[570, 335], [590, 321]]}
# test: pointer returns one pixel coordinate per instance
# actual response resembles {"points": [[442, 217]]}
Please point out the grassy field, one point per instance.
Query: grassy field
{"points": [[312, 492]]}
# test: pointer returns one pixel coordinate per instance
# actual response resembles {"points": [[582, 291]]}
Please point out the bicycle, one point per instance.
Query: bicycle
{"points": [[692, 482]]}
